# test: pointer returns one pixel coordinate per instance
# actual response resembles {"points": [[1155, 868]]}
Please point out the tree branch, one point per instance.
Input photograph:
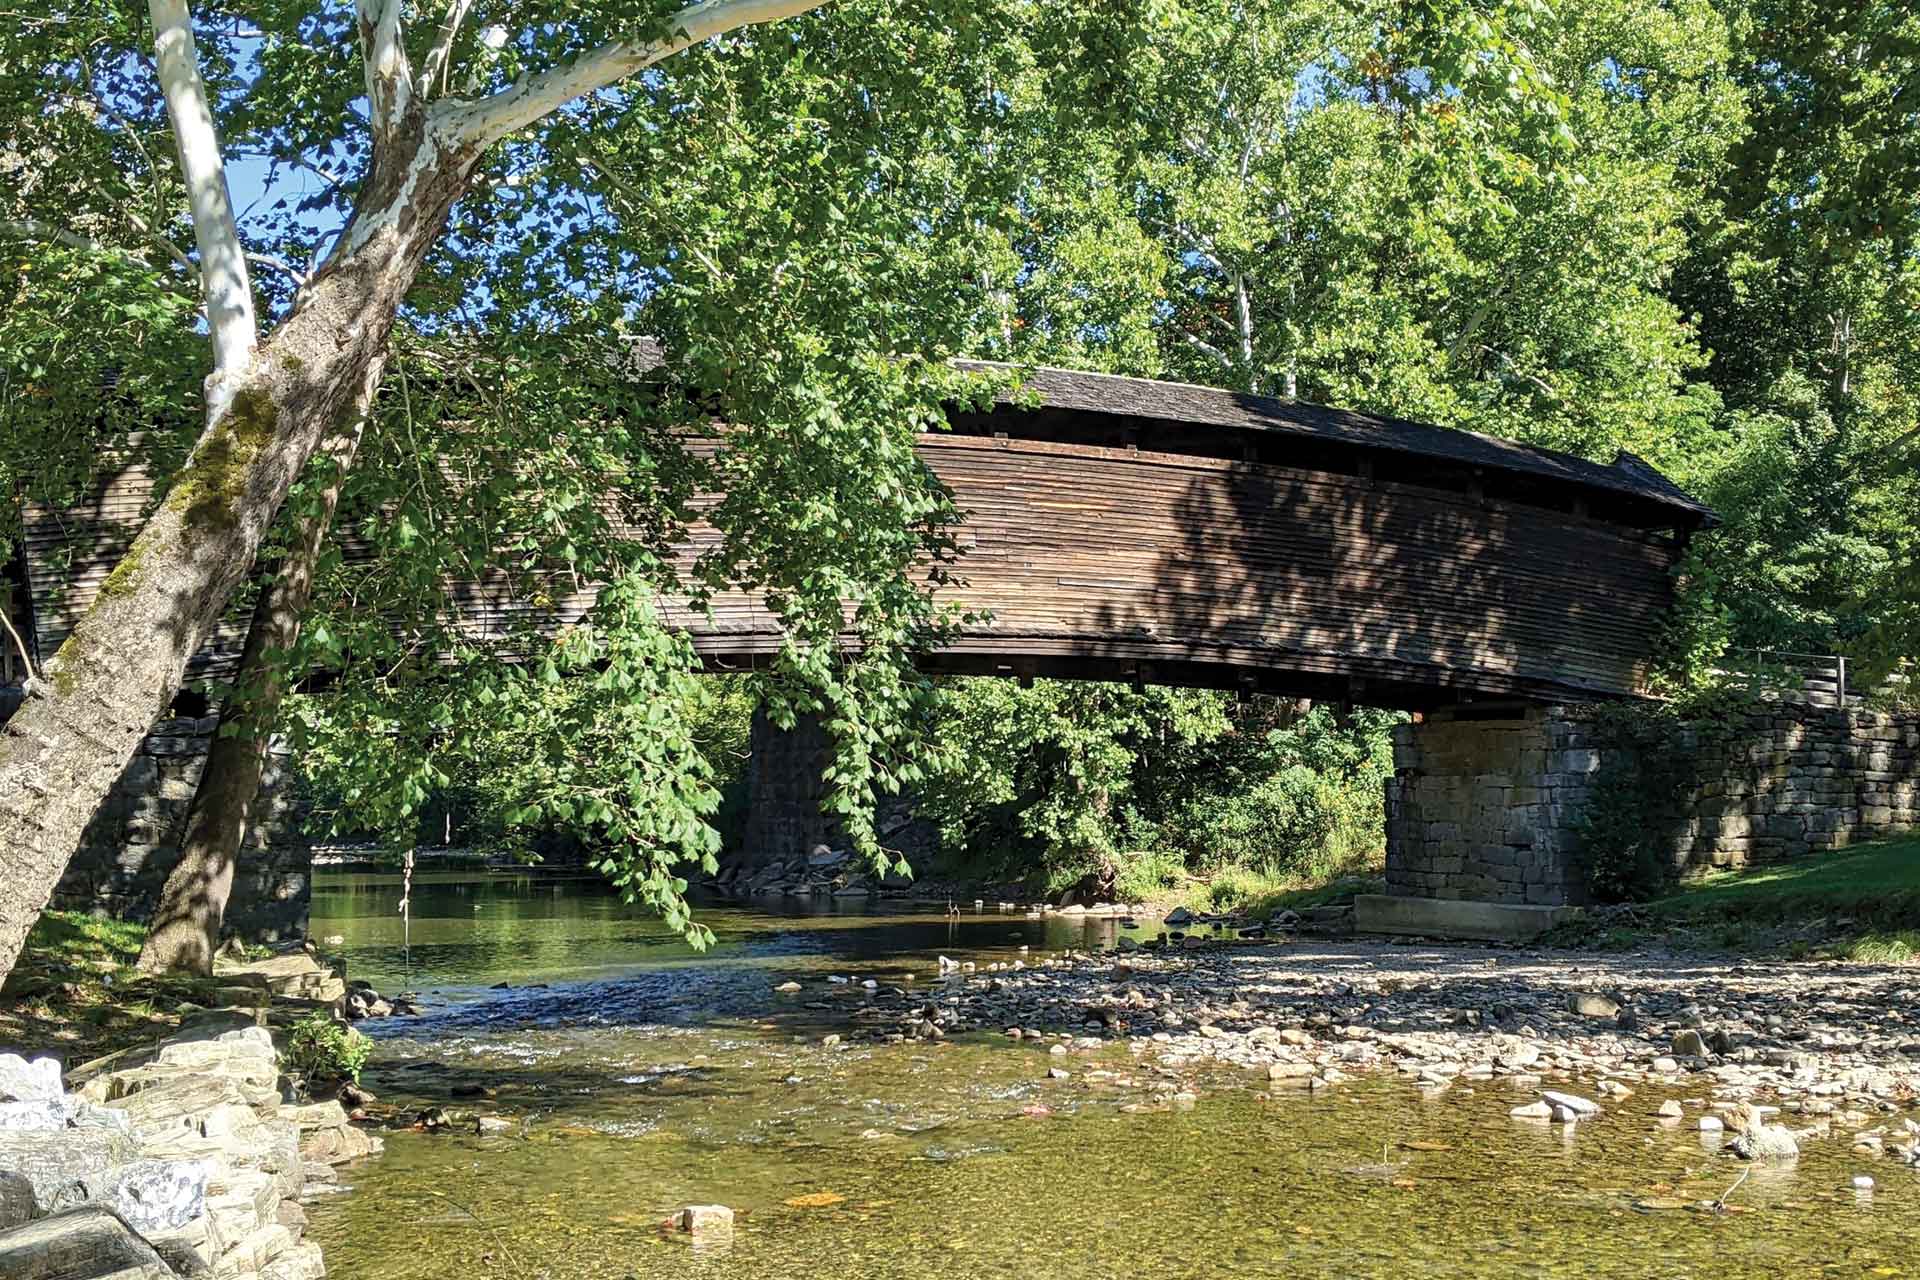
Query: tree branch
{"points": [[281, 265], [30, 229], [437, 57], [223, 265], [1206, 348], [536, 96], [389, 78]]}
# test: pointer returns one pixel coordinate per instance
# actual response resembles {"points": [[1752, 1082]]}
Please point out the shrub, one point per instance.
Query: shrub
{"points": [[322, 1051]]}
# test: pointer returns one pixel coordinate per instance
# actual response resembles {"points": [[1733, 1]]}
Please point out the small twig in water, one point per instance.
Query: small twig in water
{"points": [[1720, 1205], [511, 1259]]}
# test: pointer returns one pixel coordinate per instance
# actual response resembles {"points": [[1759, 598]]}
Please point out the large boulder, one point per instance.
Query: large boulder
{"points": [[64, 1169], [23, 1081], [89, 1243], [158, 1195]]}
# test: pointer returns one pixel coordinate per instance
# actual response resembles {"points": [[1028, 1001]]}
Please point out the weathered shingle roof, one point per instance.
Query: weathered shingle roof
{"points": [[1118, 396]]}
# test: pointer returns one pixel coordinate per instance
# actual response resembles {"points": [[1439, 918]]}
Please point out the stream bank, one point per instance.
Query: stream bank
{"points": [[178, 1158]]}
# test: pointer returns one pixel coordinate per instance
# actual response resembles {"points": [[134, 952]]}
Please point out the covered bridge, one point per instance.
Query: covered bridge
{"points": [[1123, 528]]}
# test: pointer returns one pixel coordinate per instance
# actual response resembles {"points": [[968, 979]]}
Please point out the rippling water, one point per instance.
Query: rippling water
{"points": [[644, 1077]]}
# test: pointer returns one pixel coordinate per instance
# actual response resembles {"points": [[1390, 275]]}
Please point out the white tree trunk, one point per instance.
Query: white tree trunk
{"points": [[223, 261]]}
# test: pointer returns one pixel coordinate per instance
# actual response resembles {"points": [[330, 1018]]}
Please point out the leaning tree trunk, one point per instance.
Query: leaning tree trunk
{"points": [[65, 747], [193, 905]]}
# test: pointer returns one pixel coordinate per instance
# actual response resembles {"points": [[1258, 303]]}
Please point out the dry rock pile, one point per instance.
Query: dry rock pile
{"points": [[179, 1160]]}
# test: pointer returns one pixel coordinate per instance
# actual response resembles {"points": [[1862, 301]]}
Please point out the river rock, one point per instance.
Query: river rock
{"points": [[88, 1243], [23, 1081], [1672, 1110], [1689, 1044], [1178, 917], [1571, 1101], [1712, 1124], [338, 1144], [492, 1126], [158, 1195], [704, 1219], [64, 1169], [1760, 1140], [1533, 1111], [1588, 1005]]}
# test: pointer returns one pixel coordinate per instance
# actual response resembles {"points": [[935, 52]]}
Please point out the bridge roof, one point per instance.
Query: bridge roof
{"points": [[1117, 396]]}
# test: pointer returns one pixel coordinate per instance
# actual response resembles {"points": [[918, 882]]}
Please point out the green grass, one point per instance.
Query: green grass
{"points": [[1258, 894], [1902, 947], [71, 937], [1878, 886], [1862, 904], [75, 993]]}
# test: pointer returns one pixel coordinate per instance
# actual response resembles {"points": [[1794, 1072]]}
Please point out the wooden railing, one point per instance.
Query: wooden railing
{"points": [[1816, 679]]}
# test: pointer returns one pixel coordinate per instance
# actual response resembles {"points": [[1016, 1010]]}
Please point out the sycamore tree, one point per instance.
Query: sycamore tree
{"points": [[1304, 212], [789, 194], [400, 112]]}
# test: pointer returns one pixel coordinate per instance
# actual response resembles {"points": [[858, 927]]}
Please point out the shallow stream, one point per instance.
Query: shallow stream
{"points": [[642, 1077]]}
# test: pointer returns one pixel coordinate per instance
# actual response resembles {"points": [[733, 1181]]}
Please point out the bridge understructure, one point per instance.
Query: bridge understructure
{"points": [[1126, 529]]}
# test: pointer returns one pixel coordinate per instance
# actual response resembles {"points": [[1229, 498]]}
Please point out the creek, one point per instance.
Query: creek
{"points": [[640, 1076]]}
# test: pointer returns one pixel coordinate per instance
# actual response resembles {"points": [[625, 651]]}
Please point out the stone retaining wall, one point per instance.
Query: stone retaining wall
{"points": [[1487, 807], [134, 840]]}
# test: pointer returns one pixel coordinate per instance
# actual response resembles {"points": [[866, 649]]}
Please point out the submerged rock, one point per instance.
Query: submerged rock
{"points": [[704, 1219], [1761, 1140]]}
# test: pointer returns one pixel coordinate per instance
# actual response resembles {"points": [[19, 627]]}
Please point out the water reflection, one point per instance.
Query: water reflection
{"points": [[524, 929]]}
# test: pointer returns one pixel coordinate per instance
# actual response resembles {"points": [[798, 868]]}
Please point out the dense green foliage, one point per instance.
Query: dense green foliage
{"points": [[1105, 789]]}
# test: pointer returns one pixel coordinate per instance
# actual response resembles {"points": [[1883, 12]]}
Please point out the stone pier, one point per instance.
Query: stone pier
{"points": [[785, 785], [1486, 808], [134, 840]]}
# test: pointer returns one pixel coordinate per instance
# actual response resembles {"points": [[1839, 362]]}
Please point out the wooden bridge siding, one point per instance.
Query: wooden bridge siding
{"points": [[70, 550], [1089, 552], [1086, 553]]}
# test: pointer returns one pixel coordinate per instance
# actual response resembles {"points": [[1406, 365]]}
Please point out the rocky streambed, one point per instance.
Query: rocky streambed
{"points": [[1293, 1105], [1835, 1048]]}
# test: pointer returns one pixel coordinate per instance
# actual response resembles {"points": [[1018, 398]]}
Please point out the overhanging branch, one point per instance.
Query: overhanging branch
{"points": [[537, 96]]}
